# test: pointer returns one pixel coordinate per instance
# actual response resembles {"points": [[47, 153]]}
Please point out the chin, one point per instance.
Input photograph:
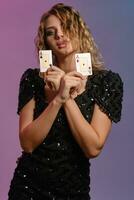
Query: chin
{"points": [[65, 52]]}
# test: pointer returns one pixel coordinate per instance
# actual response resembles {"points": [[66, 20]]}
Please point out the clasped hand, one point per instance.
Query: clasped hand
{"points": [[66, 85]]}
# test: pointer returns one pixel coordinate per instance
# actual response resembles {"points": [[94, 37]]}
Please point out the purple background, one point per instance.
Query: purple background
{"points": [[112, 25]]}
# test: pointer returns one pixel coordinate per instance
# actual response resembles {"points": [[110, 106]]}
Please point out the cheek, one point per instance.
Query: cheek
{"points": [[75, 44], [70, 46]]}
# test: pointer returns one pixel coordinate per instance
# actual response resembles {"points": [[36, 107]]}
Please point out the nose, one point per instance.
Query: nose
{"points": [[59, 34]]}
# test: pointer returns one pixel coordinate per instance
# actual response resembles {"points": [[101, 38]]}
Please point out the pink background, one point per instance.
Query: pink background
{"points": [[111, 22]]}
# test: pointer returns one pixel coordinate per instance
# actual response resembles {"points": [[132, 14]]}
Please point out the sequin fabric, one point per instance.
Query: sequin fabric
{"points": [[58, 169]]}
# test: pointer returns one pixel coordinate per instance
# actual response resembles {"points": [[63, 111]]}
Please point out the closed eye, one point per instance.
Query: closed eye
{"points": [[51, 32]]}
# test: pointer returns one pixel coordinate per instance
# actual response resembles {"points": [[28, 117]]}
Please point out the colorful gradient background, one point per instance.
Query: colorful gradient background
{"points": [[112, 24]]}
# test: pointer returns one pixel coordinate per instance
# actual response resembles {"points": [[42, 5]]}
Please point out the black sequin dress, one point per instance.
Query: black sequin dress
{"points": [[58, 169]]}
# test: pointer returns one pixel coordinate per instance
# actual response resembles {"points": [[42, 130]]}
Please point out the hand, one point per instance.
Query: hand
{"points": [[70, 85], [76, 91], [53, 77]]}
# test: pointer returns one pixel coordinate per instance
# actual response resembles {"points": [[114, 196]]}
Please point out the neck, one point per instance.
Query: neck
{"points": [[67, 63]]}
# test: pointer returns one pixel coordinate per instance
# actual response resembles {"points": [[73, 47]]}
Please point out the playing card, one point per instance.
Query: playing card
{"points": [[83, 63], [45, 58]]}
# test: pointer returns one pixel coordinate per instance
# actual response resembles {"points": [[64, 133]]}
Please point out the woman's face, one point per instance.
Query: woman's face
{"points": [[56, 40]]}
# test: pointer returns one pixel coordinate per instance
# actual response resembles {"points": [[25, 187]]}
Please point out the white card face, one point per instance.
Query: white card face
{"points": [[45, 58], [83, 63]]}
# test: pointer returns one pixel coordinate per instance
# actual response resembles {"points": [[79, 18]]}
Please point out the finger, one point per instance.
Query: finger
{"points": [[56, 68], [51, 69], [51, 78], [78, 89], [74, 95], [51, 85], [52, 75], [41, 74], [72, 78], [76, 74], [73, 84], [56, 73], [72, 90]]}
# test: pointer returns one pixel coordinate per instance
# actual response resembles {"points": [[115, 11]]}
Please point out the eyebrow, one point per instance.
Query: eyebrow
{"points": [[50, 27]]}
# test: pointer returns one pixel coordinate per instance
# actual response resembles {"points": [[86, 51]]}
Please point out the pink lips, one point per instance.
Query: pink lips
{"points": [[61, 44]]}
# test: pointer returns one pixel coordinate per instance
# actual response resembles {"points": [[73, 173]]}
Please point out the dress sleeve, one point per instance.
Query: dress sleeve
{"points": [[108, 94], [26, 89]]}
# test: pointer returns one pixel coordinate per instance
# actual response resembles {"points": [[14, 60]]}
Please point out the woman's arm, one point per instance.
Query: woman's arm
{"points": [[32, 132], [90, 136]]}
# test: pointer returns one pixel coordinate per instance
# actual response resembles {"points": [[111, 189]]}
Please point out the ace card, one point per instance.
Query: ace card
{"points": [[83, 63], [45, 58]]}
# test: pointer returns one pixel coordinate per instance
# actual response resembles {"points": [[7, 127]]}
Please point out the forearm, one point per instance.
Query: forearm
{"points": [[82, 131], [34, 133]]}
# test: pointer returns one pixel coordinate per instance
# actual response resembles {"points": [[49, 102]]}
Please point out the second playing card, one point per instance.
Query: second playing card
{"points": [[83, 63], [45, 58]]}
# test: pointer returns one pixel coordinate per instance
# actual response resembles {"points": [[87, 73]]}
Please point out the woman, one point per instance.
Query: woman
{"points": [[65, 117]]}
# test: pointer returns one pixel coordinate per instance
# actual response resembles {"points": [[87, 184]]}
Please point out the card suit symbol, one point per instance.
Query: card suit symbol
{"points": [[40, 54], [77, 60], [45, 60]]}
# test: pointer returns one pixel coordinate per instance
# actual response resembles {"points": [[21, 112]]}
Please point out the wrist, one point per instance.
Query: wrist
{"points": [[58, 100], [68, 102]]}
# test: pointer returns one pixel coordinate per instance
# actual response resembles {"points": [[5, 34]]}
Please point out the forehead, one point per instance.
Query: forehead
{"points": [[52, 20]]}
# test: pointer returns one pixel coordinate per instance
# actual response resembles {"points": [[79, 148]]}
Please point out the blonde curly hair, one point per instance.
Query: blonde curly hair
{"points": [[73, 25]]}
